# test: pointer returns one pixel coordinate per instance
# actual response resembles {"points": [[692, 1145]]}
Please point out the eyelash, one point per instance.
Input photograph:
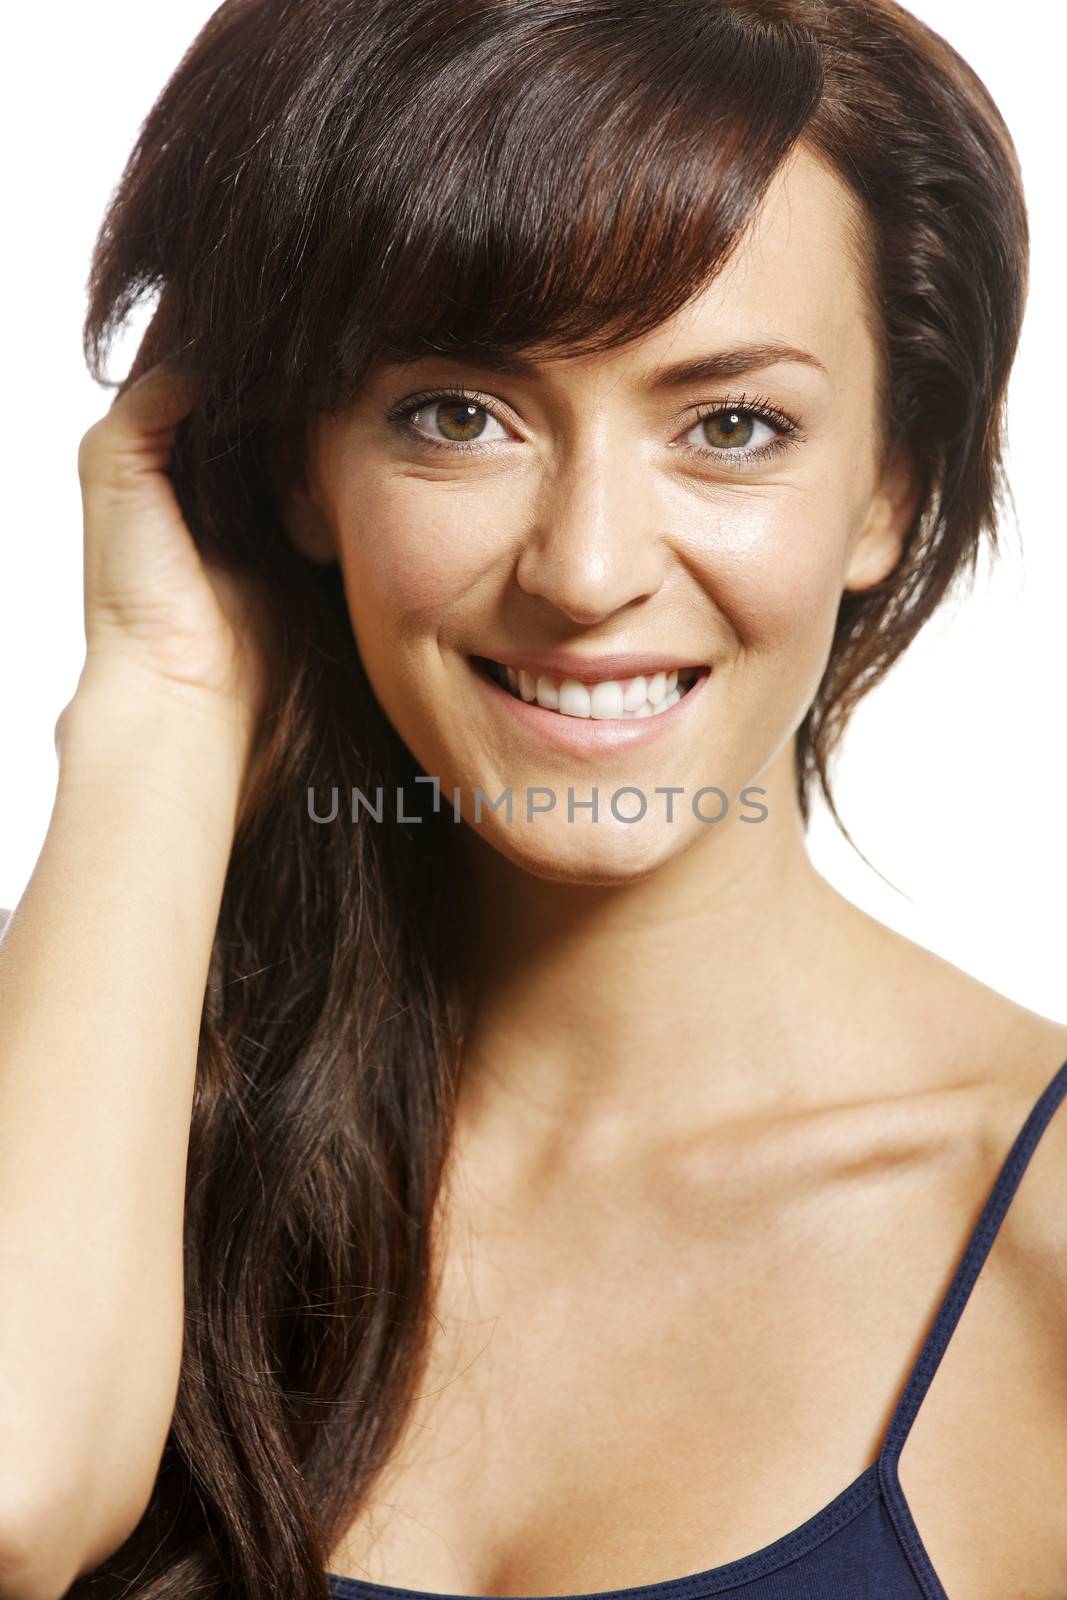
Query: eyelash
{"points": [[760, 409]]}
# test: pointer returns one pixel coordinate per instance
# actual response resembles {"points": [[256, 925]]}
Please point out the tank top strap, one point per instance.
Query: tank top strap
{"points": [[974, 1258]]}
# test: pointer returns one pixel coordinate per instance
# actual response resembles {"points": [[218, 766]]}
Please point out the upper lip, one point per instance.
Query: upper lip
{"points": [[596, 669]]}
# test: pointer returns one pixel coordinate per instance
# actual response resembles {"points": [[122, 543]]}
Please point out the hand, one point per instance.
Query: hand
{"points": [[153, 606]]}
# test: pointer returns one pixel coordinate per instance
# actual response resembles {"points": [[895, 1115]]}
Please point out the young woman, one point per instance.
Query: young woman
{"points": [[583, 402]]}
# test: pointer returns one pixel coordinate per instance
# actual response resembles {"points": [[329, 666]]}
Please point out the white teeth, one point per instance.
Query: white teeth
{"points": [[547, 694], [609, 700], [635, 695], [657, 688], [606, 700], [574, 699]]}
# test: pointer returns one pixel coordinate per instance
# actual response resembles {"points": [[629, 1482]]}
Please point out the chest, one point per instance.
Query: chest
{"points": [[618, 1397]]}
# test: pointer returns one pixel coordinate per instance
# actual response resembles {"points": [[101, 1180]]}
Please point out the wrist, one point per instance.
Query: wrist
{"points": [[124, 726]]}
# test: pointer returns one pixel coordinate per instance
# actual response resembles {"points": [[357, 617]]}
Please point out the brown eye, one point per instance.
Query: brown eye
{"points": [[741, 435], [460, 421], [448, 420], [724, 429]]}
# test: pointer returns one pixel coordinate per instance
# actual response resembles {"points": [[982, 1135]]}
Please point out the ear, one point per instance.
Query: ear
{"points": [[889, 517], [304, 521], [308, 530]]}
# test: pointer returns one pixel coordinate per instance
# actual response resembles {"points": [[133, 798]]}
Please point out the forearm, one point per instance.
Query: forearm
{"points": [[102, 976]]}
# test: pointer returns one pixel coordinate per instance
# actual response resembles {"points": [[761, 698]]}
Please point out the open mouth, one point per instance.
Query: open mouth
{"points": [[618, 699]]}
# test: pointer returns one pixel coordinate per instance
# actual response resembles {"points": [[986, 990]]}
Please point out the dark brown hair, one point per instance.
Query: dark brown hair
{"points": [[324, 184]]}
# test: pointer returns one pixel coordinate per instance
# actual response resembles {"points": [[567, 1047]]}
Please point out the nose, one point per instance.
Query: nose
{"points": [[595, 544]]}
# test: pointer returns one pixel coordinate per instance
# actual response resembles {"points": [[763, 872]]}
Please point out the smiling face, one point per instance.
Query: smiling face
{"points": [[698, 498]]}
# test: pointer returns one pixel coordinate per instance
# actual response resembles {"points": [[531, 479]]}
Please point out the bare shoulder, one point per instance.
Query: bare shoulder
{"points": [[998, 1057], [4, 915], [1011, 1055], [968, 1033], [953, 1029], [1032, 1247], [1016, 1054]]}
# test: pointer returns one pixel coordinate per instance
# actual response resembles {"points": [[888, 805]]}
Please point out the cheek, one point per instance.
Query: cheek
{"points": [[774, 571], [410, 553]]}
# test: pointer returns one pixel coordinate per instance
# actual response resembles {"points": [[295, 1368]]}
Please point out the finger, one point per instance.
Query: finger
{"points": [[136, 432], [155, 402]]}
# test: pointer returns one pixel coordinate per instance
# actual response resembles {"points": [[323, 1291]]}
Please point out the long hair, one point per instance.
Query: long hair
{"points": [[325, 184]]}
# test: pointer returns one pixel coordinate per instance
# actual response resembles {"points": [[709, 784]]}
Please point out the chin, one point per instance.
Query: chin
{"points": [[594, 854]]}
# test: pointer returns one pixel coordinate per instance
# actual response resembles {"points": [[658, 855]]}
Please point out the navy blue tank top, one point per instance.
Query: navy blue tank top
{"points": [[864, 1545]]}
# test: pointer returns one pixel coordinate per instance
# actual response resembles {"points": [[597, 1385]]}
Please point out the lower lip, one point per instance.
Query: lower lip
{"points": [[585, 735]]}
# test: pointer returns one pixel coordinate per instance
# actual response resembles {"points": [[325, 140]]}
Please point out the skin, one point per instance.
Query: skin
{"points": [[584, 523], [581, 525], [676, 1024]]}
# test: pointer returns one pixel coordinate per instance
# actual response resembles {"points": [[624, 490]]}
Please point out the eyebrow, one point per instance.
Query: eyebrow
{"points": [[716, 365], [731, 364]]}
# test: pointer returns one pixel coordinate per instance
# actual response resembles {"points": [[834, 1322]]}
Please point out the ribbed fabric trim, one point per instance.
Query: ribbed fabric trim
{"points": [[717, 1580]]}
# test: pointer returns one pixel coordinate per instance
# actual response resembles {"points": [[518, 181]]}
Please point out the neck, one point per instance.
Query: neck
{"points": [[711, 989]]}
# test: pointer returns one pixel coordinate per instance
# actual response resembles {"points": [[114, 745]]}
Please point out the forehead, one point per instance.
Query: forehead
{"points": [[803, 258], [799, 274], [799, 277]]}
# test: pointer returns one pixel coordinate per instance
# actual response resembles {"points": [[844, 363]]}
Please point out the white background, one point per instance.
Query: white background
{"points": [[954, 778]]}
